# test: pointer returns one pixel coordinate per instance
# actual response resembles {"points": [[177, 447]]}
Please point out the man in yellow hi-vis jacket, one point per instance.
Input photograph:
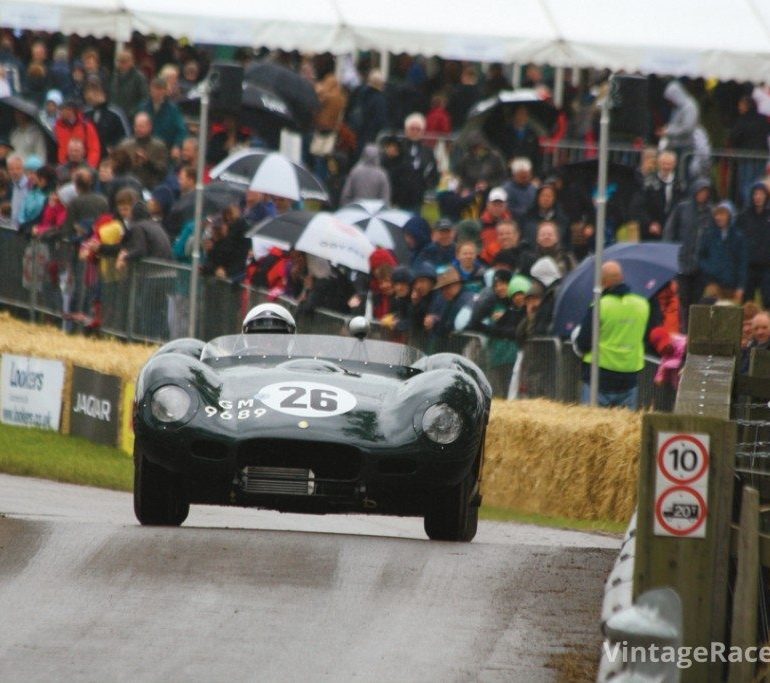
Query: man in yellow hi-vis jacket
{"points": [[623, 318]]}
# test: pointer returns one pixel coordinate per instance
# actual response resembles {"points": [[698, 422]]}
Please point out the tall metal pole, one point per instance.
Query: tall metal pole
{"points": [[601, 213], [205, 90]]}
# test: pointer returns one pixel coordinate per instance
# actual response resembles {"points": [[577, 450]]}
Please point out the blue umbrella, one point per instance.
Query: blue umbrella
{"points": [[647, 266]]}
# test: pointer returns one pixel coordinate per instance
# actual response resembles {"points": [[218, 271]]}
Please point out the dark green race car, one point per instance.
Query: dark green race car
{"points": [[310, 423]]}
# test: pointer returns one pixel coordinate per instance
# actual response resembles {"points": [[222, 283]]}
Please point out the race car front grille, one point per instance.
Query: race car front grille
{"points": [[328, 461], [277, 480]]}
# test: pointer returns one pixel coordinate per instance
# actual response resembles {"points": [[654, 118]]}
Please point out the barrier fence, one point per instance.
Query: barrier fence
{"points": [[150, 302]]}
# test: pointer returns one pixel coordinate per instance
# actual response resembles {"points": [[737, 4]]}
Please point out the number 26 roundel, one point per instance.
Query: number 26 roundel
{"points": [[306, 399]]}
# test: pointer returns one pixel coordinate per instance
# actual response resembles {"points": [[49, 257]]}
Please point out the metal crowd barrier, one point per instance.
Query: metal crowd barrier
{"points": [[150, 302]]}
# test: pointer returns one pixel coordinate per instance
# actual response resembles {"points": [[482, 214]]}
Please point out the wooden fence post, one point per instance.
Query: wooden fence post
{"points": [[693, 564], [743, 633]]}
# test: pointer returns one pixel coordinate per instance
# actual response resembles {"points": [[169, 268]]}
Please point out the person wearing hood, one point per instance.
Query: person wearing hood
{"points": [[688, 223], [623, 321], [367, 179], [417, 237], [754, 223], [723, 257], [683, 121]]}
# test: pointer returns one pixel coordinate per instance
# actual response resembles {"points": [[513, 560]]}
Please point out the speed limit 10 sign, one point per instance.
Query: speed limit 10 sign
{"points": [[681, 484]]}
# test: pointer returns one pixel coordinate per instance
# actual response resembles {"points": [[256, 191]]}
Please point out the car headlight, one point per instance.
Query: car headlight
{"points": [[441, 423], [170, 403]]}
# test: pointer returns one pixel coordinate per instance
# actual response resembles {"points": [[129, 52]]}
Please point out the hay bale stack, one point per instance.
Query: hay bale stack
{"points": [[561, 460], [109, 356]]}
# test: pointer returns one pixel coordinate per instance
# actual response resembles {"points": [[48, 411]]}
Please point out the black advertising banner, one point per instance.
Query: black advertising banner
{"points": [[95, 406]]}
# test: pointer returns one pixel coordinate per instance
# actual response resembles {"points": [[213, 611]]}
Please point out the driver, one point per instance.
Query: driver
{"points": [[270, 318]]}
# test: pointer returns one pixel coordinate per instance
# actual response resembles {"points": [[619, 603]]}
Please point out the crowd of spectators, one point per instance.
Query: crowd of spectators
{"points": [[115, 182]]}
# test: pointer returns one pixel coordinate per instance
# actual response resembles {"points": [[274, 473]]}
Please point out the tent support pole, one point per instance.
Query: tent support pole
{"points": [[601, 213], [558, 87], [205, 89]]}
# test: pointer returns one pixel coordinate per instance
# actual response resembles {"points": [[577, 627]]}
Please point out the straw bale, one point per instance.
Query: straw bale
{"points": [[109, 356], [562, 460]]}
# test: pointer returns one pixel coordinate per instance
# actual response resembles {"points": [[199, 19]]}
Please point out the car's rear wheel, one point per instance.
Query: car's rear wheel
{"points": [[453, 512], [159, 498]]}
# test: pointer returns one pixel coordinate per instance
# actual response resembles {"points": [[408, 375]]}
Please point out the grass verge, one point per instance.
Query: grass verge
{"points": [[49, 455], [496, 514]]}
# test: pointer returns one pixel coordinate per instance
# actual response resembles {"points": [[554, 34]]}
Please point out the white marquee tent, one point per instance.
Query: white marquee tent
{"points": [[677, 37]]}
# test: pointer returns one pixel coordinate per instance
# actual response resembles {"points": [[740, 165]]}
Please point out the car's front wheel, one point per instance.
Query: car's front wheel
{"points": [[159, 498], [453, 512]]}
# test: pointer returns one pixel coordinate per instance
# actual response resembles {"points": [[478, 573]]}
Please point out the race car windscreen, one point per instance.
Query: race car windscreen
{"points": [[310, 346]]}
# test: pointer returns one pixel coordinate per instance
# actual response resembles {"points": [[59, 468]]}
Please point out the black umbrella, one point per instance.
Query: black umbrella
{"points": [[271, 173], [506, 101], [11, 104], [260, 108], [216, 197], [295, 90]]}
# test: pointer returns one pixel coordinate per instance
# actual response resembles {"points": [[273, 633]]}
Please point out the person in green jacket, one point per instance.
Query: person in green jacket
{"points": [[167, 120], [623, 320]]}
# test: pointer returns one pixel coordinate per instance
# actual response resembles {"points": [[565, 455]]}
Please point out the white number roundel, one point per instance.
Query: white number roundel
{"points": [[306, 399]]}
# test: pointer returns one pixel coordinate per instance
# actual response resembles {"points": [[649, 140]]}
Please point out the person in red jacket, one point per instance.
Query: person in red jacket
{"points": [[72, 124]]}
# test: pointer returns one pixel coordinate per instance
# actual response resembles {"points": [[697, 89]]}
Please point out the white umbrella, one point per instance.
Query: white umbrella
{"points": [[271, 173], [380, 223], [320, 234]]}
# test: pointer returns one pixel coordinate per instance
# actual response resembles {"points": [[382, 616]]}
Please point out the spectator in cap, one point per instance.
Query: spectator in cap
{"points": [[53, 100], [72, 124], [441, 251], [724, 257], [496, 210]]}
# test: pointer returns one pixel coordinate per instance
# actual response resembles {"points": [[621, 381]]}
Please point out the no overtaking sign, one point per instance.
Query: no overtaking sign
{"points": [[681, 485]]}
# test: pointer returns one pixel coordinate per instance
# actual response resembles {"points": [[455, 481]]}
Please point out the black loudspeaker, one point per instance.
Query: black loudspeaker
{"points": [[226, 86], [629, 107]]}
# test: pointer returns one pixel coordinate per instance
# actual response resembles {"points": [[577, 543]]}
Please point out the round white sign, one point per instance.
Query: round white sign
{"points": [[306, 399]]}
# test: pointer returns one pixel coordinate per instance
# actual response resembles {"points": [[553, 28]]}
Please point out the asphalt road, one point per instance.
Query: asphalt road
{"points": [[86, 594]]}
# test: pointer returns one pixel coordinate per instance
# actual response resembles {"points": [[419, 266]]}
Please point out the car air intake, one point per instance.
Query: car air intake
{"points": [[277, 480]]}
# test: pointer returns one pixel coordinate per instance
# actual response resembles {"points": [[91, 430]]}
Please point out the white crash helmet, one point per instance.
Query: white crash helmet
{"points": [[270, 318]]}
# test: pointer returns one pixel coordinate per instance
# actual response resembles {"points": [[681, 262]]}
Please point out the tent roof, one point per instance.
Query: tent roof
{"points": [[686, 37]]}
